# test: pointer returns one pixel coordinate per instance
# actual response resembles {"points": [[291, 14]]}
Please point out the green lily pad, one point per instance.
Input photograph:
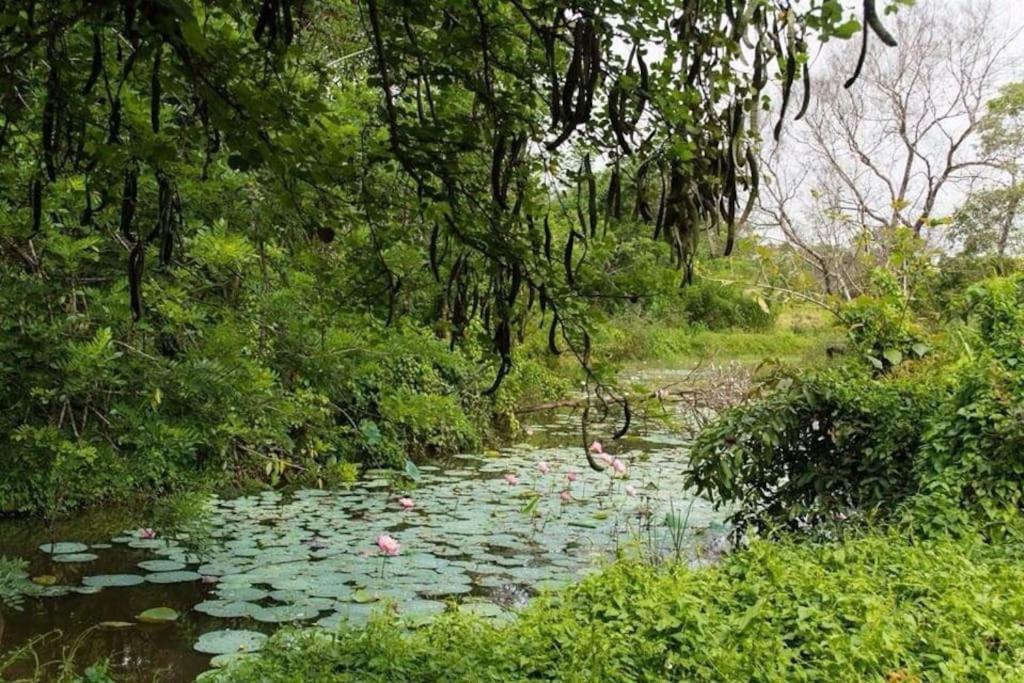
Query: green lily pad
{"points": [[75, 557], [44, 580], [161, 565], [63, 548], [157, 615], [483, 609], [279, 614], [243, 593], [173, 577], [230, 641], [113, 580], [227, 609], [221, 661]]}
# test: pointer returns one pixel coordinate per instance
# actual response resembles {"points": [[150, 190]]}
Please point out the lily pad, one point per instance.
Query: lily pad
{"points": [[221, 661], [173, 577], [161, 565], [157, 615], [112, 580], [227, 609], [63, 548], [230, 641], [44, 580], [279, 614], [75, 557]]}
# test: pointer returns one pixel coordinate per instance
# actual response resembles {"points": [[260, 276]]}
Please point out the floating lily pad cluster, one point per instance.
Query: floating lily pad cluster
{"points": [[472, 535]]}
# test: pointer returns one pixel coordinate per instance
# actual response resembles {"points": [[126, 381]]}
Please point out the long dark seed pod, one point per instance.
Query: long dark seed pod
{"points": [[135, 264], [128, 196], [547, 238], [567, 259], [515, 285], [434, 266], [591, 196], [613, 202], [36, 191], [787, 89], [552, 336], [645, 87], [497, 162], [627, 418], [50, 132], [871, 19], [807, 93], [572, 76], [97, 64], [154, 90]]}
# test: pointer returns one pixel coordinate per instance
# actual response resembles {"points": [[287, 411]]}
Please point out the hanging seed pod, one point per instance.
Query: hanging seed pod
{"points": [[497, 161], [627, 418], [547, 238], [96, 66], [567, 259], [154, 90], [552, 336], [135, 265], [128, 197], [36, 198], [874, 23], [806, 103]]}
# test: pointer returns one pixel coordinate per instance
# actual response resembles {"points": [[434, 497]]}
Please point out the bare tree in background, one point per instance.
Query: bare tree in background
{"points": [[896, 150]]}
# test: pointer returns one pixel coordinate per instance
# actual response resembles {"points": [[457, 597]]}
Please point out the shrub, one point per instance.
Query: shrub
{"points": [[717, 306], [941, 441], [875, 608]]}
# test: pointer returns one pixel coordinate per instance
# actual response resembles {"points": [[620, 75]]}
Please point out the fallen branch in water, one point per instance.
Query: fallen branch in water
{"points": [[714, 390]]}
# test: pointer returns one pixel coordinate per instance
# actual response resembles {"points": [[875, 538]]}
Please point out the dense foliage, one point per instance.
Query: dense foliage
{"points": [[886, 433], [266, 243], [877, 608]]}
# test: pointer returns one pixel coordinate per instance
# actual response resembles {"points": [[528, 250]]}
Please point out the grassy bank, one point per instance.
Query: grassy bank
{"points": [[879, 607]]}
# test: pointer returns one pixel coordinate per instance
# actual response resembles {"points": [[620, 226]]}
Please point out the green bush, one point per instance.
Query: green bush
{"points": [[940, 440], [718, 306], [876, 608]]}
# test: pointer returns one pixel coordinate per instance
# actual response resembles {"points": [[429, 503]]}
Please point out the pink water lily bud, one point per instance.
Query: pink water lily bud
{"points": [[407, 503], [566, 496], [619, 466], [388, 545], [511, 479], [543, 467], [605, 458], [596, 448], [572, 475], [630, 490], [146, 533]]}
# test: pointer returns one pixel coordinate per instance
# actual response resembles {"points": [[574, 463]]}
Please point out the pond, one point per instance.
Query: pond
{"points": [[484, 530]]}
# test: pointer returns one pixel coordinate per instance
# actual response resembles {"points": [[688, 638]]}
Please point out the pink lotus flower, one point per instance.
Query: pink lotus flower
{"points": [[388, 545], [630, 490], [605, 458], [407, 503], [543, 467], [147, 533], [572, 475], [566, 496], [619, 467], [511, 479], [596, 448]]}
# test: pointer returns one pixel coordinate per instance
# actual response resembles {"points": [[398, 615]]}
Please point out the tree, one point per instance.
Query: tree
{"points": [[894, 150], [989, 222]]}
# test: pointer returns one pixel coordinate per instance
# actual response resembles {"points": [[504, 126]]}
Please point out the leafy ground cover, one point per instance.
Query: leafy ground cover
{"points": [[881, 607]]}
